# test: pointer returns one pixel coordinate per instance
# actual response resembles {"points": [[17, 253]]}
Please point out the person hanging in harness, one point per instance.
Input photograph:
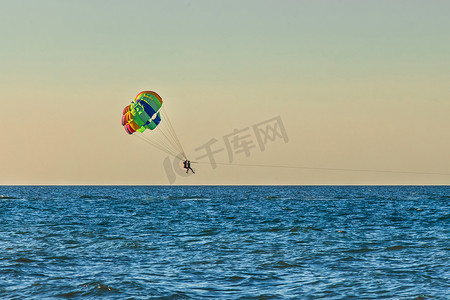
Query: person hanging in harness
{"points": [[187, 166]]}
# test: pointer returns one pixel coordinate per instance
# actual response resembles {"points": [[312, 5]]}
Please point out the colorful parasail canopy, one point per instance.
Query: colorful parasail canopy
{"points": [[143, 113], [146, 112]]}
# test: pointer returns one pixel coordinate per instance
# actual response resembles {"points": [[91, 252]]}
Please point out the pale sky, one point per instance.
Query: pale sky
{"points": [[357, 85]]}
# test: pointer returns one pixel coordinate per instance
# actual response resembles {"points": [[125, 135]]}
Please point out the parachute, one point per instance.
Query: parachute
{"points": [[146, 118], [142, 113]]}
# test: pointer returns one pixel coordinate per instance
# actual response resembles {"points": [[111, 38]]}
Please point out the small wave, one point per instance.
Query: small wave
{"points": [[174, 197], [287, 208], [60, 258], [280, 265], [24, 260], [415, 209], [5, 197], [236, 278], [274, 229], [395, 248], [131, 245], [187, 198], [176, 295], [424, 297], [444, 218], [361, 250], [264, 296], [98, 287], [208, 232], [94, 197], [105, 287], [308, 228], [295, 229], [152, 198], [196, 199], [69, 294]]}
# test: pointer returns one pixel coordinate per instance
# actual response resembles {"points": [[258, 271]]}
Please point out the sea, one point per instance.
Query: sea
{"points": [[225, 242]]}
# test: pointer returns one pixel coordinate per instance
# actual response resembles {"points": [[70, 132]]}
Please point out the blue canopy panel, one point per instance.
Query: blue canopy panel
{"points": [[153, 123]]}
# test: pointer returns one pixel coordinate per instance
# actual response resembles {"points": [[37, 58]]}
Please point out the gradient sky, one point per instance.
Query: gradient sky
{"points": [[357, 84]]}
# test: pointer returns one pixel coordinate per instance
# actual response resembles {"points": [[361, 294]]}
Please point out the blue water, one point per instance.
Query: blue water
{"points": [[232, 242]]}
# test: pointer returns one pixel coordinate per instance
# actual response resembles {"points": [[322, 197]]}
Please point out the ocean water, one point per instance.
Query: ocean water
{"points": [[225, 242]]}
